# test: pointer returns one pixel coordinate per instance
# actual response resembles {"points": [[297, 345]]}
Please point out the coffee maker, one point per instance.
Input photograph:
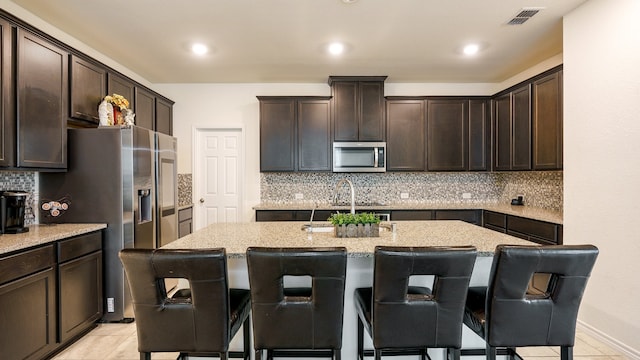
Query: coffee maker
{"points": [[12, 209]]}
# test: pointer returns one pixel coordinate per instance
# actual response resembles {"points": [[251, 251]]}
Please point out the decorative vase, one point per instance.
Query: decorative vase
{"points": [[356, 231], [117, 116]]}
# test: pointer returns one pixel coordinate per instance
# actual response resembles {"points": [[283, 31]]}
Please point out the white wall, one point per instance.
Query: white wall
{"points": [[602, 160]]}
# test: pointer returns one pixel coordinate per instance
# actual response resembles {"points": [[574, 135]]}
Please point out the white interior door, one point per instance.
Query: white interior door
{"points": [[218, 164]]}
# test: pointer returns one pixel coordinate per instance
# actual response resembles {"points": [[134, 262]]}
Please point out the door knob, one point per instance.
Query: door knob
{"points": [[201, 200]]}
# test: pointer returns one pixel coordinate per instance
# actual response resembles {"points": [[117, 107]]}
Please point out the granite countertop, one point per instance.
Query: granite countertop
{"points": [[237, 237], [43, 234], [523, 211]]}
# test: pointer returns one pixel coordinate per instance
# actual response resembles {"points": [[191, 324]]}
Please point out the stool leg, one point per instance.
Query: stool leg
{"points": [[455, 354], [566, 352], [258, 354], [360, 338], [491, 352], [145, 356], [246, 339], [337, 354]]}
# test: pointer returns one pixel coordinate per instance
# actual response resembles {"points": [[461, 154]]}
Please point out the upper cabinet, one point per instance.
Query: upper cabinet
{"points": [[120, 85], [547, 122], [7, 109], [405, 135], [295, 133], [88, 88], [164, 116], [42, 93], [457, 131], [528, 124], [512, 114], [145, 108], [358, 108]]}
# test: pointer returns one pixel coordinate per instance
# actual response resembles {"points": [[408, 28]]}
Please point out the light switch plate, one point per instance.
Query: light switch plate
{"points": [[298, 196], [404, 195], [466, 195]]}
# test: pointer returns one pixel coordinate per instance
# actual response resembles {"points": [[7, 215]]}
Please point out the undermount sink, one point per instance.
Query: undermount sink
{"points": [[326, 227]]}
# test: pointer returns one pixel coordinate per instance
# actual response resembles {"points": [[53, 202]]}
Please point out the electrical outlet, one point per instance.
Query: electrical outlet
{"points": [[466, 195], [404, 195], [298, 196], [110, 305]]}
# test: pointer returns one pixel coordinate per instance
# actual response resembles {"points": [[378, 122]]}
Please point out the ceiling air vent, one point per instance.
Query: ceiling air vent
{"points": [[523, 15]]}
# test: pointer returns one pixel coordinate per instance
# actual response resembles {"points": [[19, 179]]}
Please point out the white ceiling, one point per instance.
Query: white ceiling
{"points": [[283, 40]]}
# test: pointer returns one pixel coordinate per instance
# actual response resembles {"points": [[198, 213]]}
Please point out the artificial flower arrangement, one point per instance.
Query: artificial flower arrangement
{"points": [[114, 110]]}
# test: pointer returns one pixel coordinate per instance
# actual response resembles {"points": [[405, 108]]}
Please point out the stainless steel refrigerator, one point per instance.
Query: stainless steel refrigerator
{"points": [[112, 178]]}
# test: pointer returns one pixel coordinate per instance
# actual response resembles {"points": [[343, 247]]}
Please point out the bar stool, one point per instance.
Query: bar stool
{"points": [[406, 320], [299, 321], [200, 322], [532, 299]]}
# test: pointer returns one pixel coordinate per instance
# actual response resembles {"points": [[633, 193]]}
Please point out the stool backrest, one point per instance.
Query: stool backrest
{"points": [[406, 317], [310, 320], [516, 317], [196, 324]]}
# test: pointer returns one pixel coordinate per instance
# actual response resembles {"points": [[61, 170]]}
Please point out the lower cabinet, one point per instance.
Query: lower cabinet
{"points": [[292, 215], [537, 231], [49, 296], [185, 221]]}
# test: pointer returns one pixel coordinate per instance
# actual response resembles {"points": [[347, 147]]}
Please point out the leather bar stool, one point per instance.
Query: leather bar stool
{"points": [[406, 320], [302, 321], [201, 321], [532, 299]]}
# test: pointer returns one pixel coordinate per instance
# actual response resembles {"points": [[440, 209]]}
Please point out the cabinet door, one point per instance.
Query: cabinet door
{"points": [[547, 122], [371, 126], [117, 84], [28, 313], [42, 103], [502, 142], [479, 139], [145, 109], [470, 216], [314, 135], [80, 283], [521, 141], [277, 135], [405, 135], [88, 88], [345, 110], [447, 135], [164, 116], [7, 110]]}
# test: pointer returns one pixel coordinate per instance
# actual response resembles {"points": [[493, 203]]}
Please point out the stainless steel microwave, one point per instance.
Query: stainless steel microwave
{"points": [[359, 156]]}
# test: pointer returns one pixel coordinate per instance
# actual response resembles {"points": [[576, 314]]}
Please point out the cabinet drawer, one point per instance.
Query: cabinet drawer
{"points": [[79, 245], [274, 215], [184, 228], [185, 214], [495, 219], [25, 263], [398, 215], [534, 228], [470, 216]]}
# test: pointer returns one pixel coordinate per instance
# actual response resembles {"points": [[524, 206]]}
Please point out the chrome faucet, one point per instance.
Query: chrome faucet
{"points": [[353, 193]]}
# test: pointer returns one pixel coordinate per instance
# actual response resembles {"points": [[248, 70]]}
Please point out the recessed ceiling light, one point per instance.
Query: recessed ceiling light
{"points": [[349, 1], [471, 49], [336, 48], [199, 49]]}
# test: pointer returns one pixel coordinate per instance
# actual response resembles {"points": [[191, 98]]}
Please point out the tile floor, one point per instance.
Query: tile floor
{"points": [[118, 341]]}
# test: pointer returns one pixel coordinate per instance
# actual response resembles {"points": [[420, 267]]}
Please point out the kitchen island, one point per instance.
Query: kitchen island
{"points": [[237, 237]]}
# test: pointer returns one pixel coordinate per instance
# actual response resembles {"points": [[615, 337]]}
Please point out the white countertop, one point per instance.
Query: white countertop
{"points": [[43, 234], [237, 237]]}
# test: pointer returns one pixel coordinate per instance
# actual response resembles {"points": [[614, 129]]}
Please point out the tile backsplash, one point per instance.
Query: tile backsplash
{"points": [[540, 189], [23, 181], [184, 189]]}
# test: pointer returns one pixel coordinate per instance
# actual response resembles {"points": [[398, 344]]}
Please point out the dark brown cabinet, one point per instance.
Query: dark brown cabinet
{"points": [[295, 134], [512, 112], [292, 215], [49, 296], [7, 108], [42, 78], [88, 88], [164, 116], [145, 108], [447, 135], [358, 108], [479, 135], [28, 304], [547, 122], [537, 231], [117, 84], [401, 215], [80, 284], [185, 221], [405, 135], [470, 216]]}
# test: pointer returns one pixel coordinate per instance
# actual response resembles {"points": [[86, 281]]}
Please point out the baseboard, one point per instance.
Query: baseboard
{"points": [[624, 349]]}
